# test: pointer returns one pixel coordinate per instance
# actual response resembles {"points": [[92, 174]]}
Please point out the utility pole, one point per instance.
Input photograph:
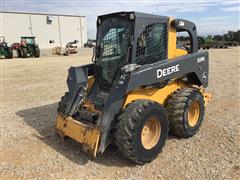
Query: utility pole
{"points": [[223, 34]]}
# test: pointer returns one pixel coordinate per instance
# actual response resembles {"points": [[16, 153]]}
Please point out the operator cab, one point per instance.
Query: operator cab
{"points": [[28, 40], [133, 38]]}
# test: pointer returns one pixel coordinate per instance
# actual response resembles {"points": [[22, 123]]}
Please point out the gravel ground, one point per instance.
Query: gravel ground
{"points": [[30, 149]]}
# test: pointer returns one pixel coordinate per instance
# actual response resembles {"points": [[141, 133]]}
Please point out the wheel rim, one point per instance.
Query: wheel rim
{"points": [[193, 113], [151, 133]]}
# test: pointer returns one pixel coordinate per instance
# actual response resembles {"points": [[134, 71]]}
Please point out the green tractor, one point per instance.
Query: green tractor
{"points": [[27, 47], [5, 49]]}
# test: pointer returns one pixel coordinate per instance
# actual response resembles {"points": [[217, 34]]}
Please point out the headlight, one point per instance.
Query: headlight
{"points": [[180, 23], [99, 21], [131, 16]]}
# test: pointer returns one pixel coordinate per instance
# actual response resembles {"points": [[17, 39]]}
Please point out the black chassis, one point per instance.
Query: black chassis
{"points": [[194, 65]]}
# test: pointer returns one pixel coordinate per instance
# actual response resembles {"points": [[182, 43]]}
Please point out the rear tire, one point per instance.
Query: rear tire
{"points": [[19, 53], [24, 52], [186, 112], [37, 52], [141, 131]]}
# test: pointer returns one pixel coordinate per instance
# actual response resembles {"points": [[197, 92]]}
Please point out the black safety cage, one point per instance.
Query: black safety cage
{"points": [[152, 43], [150, 35]]}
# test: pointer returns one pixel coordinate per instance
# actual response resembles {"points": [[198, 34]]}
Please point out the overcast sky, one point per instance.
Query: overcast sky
{"points": [[211, 17]]}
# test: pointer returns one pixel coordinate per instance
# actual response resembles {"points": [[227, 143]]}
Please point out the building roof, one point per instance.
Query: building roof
{"points": [[47, 14]]}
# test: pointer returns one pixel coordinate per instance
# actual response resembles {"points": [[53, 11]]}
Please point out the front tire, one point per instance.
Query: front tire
{"points": [[9, 52], [141, 131], [62, 105], [186, 112]]}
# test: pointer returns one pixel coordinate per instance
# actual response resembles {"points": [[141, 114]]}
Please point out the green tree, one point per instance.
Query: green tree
{"points": [[217, 37], [236, 36]]}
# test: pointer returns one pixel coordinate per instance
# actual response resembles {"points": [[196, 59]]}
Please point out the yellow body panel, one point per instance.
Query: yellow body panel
{"points": [[154, 94], [207, 98], [172, 41], [81, 132], [180, 52], [161, 95], [173, 51]]}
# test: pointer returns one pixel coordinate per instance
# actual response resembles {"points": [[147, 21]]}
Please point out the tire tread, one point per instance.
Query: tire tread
{"points": [[176, 107], [125, 128]]}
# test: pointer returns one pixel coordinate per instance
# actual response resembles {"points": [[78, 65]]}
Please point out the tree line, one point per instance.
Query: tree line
{"points": [[229, 36]]}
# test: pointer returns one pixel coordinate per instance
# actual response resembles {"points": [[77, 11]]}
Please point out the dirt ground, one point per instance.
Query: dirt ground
{"points": [[30, 149]]}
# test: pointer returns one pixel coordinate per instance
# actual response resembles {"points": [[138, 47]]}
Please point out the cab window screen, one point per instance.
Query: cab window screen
{"points": [[152, 44], [111, 42]]}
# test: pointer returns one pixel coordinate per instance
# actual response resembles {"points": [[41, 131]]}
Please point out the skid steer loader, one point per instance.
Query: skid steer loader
{"points": [[139, 86]]}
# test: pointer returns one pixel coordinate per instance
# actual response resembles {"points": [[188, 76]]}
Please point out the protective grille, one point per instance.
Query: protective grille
{"points": [[152, 44], [111, 42]]}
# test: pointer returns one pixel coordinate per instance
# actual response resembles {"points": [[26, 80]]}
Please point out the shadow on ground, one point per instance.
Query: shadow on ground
{"points": [[43, 120]]}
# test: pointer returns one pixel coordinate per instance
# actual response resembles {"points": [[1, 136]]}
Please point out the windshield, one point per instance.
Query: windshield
{"points": [[28, 40], [112, 42]]}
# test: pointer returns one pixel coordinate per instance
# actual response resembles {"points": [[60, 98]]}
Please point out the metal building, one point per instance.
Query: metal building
{"points": [[50, 30]]}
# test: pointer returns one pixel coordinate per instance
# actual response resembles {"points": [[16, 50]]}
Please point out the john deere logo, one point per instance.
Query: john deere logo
{"points": [[167, 71]]}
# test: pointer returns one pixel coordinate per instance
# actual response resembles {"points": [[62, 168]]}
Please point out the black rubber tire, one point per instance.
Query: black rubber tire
{"points": [[24, 52], [178, 105], [63, 103], [128, 128], [37, 52], [9, 53], [19, 53]]}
